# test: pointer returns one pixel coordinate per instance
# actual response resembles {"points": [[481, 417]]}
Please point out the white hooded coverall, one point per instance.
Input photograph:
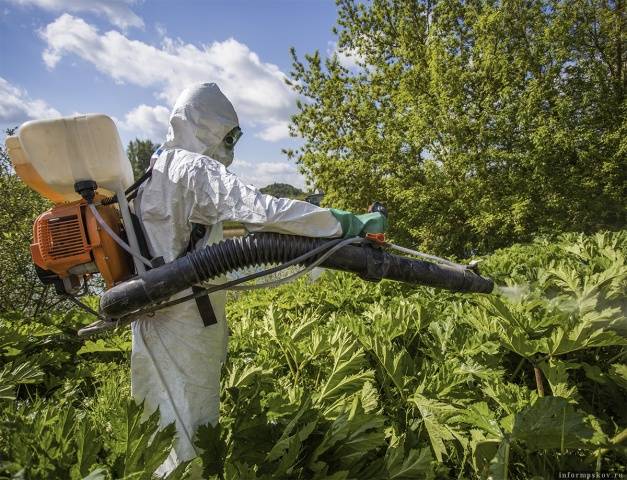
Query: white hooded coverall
{"points": [[176, 360]]}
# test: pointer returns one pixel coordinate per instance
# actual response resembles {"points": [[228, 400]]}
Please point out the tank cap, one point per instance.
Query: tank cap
{"points": [[86, 189]]}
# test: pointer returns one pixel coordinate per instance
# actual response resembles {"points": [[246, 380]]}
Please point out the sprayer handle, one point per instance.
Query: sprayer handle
{"points": [[378, 207]]}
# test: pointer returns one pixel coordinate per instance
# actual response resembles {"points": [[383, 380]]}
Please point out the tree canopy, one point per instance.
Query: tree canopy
{"points": [[282, 190], [139, 153], [478, 123], [20, 289]]}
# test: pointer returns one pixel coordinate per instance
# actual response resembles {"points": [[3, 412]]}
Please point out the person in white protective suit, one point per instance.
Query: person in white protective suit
{"points": [[176, 359]]}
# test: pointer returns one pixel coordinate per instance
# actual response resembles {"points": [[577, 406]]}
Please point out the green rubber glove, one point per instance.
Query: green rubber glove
{"points": [[358, 225]]}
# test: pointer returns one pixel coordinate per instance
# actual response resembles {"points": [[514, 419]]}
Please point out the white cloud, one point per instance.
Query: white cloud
{"points": [[275, 132], [348, 58], [257, 89], [147, 122], [161, 30], [276, 168], [264, 173], [16, 106], [118, 12]]}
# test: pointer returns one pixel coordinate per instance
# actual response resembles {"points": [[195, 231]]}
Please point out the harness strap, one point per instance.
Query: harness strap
{"points": [[203, 303], [205, 308]]}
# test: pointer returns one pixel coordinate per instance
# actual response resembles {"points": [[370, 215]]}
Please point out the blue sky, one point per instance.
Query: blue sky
{"points": [[130, 59]]}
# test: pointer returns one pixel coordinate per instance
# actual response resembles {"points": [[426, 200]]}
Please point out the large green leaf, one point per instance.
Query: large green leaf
{"points": [[556, 373], [350, 437], [146, 445], [434, 416], [395, 366], [585, 334], [618, 373], [88, 446], [212, 447], [413, 464], [347, 375], [110, 344], [18, 373], [479, 415], [551, 422], [499, 466]]}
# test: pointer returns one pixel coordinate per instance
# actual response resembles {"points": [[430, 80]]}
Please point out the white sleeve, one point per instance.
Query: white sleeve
{"points": [[220, 195]]}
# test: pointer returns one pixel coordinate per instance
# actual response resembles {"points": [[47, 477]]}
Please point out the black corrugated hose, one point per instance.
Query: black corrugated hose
{"points": [[367, 261]]}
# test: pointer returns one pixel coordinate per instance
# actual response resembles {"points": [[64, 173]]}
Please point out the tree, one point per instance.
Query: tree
{"points": [[282, 190], [478, 123], [20, 288], [139, 153]]}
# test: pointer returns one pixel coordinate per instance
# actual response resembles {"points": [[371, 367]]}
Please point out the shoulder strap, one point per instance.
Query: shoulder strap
{"points": [[133, 189], [130, 191]]}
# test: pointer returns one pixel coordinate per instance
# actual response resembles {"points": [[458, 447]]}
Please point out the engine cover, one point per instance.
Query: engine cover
{"points": [[68, 242]]}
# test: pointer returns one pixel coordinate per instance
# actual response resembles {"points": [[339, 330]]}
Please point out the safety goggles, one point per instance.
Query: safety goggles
{"points": [[232, 137]]}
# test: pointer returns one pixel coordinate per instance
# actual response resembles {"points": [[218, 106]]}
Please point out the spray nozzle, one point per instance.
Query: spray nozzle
{"points": [[474, 266]]}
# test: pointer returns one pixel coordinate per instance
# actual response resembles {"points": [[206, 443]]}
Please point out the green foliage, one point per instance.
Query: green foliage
{"points": [[139, 153], [345, 379], [283, 190], [212, 449], [20, 289], [477, 123], [452, 379], [67, 414], [145, 446]]}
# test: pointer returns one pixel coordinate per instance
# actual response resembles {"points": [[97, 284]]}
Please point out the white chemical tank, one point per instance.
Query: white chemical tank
{"points": [[52, 155]]}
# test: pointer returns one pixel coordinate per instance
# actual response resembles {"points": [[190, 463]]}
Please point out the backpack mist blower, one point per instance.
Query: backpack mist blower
{"points": [[79, 164]]}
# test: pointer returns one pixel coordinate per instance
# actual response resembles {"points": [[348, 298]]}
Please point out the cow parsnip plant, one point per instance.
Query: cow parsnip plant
{"points": [[344, 379]]}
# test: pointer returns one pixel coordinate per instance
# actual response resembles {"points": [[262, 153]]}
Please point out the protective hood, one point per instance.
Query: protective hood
{"points": [[200, 119]]}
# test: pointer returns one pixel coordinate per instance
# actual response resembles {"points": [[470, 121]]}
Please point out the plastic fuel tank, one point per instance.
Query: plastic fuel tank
{"points": [[52, 155]]}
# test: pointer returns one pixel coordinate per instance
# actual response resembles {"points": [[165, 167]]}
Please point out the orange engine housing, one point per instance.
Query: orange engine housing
{"points": [[68, 241]]}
